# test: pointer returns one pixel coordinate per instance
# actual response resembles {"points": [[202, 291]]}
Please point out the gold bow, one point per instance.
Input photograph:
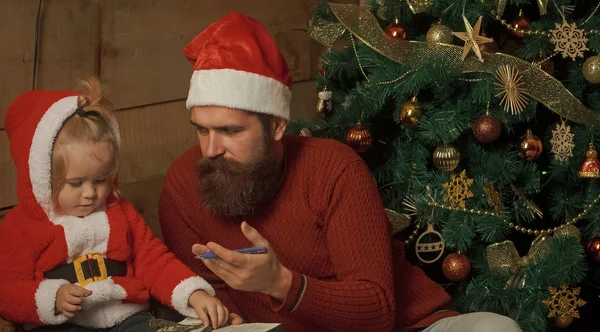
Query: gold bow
{"points": [[503, 258], [398, 221], [364, 26]]}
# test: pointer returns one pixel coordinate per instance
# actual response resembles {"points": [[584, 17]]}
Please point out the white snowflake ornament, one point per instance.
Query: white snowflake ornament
{"points": [[562, 142], [568, 40]]}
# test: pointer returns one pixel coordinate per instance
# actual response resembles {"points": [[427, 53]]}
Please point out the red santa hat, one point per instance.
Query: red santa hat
{"points": [[32, 123], [237, 65]]}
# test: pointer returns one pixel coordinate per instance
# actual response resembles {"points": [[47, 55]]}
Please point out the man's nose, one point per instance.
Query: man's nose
{"points": [[214, 146]]}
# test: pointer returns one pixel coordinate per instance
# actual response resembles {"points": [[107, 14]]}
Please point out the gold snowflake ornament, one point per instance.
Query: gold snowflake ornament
{"points": [[562, 142], [511, 89], [568, 40], [472, 38], [564, 302], [494, 197], [458, 189]]}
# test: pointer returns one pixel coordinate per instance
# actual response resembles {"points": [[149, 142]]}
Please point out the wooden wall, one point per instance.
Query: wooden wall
{"points": [[135, 48]]}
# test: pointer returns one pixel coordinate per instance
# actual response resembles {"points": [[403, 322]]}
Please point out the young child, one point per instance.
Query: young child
{"points": [[72, 253]]}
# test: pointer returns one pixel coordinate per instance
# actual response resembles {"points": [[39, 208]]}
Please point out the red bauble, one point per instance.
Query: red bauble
{"points": [[530, 146], [456, 267], [487, 128], [547, 66], [397, 30], [520, 23], [489, 47], [359, 138], [593, 248]]}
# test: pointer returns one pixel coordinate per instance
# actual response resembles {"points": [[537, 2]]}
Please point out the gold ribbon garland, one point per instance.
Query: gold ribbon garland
{"points": [[364, 26], [542, 4], [416, 6], [419, 6]]}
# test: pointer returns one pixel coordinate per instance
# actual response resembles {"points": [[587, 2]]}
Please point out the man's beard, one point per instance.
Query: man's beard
{"points": [[233, 189]]}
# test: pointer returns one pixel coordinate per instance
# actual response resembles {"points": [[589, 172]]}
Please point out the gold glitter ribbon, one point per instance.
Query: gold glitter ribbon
{"points": [[503, 258], [539, 85], [399, 221], [542, 4], [419, 6], [501, 6]]}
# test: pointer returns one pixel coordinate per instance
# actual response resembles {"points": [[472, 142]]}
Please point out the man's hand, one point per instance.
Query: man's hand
{"points": [[69, 298], [251, 273], [211, 311]]}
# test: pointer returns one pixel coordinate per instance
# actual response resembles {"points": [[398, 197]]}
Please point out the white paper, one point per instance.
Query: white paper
{"points": [[249, 327]]}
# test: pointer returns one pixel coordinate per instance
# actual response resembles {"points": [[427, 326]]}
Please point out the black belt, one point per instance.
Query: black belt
{"points": [[87, 269]]}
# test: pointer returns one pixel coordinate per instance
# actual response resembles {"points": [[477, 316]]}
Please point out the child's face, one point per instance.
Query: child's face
{"points": [[87, 179]]}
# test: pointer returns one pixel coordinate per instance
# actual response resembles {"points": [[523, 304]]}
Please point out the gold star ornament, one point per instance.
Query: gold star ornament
{"points": [[510, 88], [472, 38]]}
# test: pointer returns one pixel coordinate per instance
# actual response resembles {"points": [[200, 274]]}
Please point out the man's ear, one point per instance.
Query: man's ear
{"points": [[278, 126]]}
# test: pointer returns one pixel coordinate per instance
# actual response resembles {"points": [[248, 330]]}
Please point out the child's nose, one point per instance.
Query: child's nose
{"points": [[89, 191]]}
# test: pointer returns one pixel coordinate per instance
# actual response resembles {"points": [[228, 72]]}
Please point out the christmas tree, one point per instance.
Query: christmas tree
{"points": [[479, 120]]}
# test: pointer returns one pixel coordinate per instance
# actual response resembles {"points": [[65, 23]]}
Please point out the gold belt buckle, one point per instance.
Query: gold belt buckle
{"points": [[78, 265]]}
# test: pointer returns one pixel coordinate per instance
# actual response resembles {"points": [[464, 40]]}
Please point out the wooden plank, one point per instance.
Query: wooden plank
{"points": [[304, 100], [17, 35], [152, 138], [8, 174], [142, 61], [145, 195], [69, 41], [3, 214]]}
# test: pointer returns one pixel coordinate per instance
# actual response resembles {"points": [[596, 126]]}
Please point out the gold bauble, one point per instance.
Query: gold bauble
{"points": [[359, 138], [591, 69], [439, 33], [446, 158], [411, 112]]}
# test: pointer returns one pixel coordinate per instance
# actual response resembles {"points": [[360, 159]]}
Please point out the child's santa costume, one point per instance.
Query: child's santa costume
{"points": [[112, 253]]}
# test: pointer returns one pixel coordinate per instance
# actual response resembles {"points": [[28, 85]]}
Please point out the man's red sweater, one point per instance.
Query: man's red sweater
{"points": [[326, 224]]}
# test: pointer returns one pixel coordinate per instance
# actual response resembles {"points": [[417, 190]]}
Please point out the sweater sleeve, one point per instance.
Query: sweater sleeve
{"points": [[23, 299], [175, 221], [167, 278], [361, 298]]}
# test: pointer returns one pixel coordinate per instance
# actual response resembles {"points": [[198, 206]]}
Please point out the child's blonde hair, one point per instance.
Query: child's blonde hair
{"points": [[95, 126]]}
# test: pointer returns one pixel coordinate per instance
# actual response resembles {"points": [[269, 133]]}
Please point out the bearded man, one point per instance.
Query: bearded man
{"points": [[312, 202]]}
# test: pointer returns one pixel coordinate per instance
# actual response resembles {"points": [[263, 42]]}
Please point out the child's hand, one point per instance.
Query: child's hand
{"points": [[69, 298], [209, 309]]}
